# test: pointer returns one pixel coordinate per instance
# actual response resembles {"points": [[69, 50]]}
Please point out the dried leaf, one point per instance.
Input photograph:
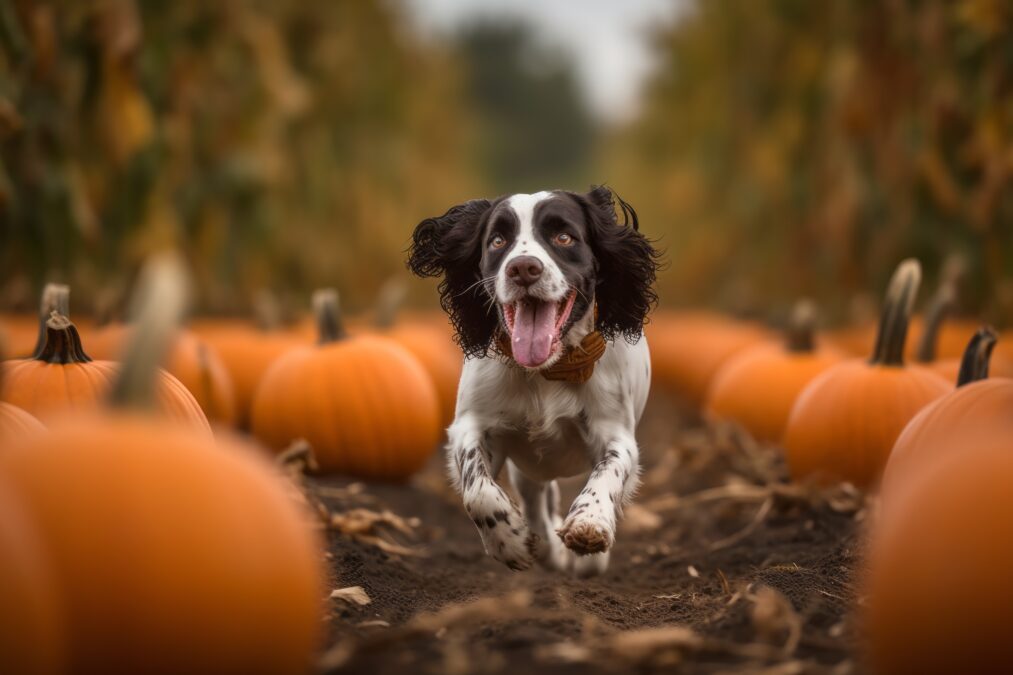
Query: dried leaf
{"points": [[637, 518], [647, 643], [774, 617], [351, 594]]}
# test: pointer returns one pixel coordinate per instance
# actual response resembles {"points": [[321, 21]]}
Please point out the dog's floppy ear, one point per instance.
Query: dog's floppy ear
{"points": [[451, 246], [627, 266]]}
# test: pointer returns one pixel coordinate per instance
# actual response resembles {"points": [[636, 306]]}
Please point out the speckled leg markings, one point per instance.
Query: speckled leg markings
{"points": [[503, 530], [590, 525], [540, 504]]}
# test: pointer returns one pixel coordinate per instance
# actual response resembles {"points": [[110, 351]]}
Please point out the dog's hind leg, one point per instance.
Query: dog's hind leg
{"points": [[540, 504]]}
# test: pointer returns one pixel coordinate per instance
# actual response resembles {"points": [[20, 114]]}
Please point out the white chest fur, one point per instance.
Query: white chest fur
{"points": [[554, 429]]}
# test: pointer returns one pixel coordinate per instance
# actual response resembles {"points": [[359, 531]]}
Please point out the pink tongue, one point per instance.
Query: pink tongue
{"points": [[534, 331]]}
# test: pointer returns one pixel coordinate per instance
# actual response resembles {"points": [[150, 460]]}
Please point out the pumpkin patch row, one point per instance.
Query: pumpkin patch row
{"points": [[836, 413], [132, 540], [929, 426], [373, 410]]}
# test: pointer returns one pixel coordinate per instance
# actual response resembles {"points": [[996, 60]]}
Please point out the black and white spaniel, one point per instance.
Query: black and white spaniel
{"points": [[532, 282]]}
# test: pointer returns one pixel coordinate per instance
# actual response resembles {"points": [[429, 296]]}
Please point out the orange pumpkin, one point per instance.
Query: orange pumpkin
{"points": [[853, 340], [950, 337], [246, 352], [1004, 350], [170, 553], [847, 419], [939, 595], [938, 337], [858, 335], [977, 403], [433, 345], [688, 349], [31, 618], [63, 378], [14, 421], [758, 386], [173, 554], [365, 405], [429, 337], [20, 333], [190, 360]]}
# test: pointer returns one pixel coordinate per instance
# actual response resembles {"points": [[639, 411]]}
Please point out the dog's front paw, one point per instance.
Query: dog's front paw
{"points": [[504, 532], [511, 543], [585, 535]]}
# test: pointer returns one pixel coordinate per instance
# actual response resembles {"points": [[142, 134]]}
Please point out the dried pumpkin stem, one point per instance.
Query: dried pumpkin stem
{"points": [[108, 304], [942, 305], [62, 342], [266, 310], [156, 309], [55, 298], [977, 357], [388, 302], [897, 306], [800, 336], [330, 327]]}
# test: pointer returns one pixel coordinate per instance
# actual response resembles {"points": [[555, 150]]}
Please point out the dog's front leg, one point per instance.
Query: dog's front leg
{"points": [[590, 525], [473, 467]]}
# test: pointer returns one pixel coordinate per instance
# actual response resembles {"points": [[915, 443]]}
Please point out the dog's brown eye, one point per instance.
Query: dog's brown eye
{"points": [[497, 242], [563, 239]]}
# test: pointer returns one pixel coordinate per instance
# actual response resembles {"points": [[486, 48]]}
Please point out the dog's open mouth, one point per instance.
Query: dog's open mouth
{"points": [[536, 326]]}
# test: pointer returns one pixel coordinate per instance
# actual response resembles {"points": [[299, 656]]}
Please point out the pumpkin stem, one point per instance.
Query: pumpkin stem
{"points": [[800, 336], [55, 298], [897, 306], [977, 357], [389, 301], [108, 304], [330, 327], [62, 343], [156, 309], [942, 305], [266, 310]]}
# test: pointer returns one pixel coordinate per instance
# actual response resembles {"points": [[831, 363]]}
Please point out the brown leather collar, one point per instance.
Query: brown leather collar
{"points": [[576, 365]]}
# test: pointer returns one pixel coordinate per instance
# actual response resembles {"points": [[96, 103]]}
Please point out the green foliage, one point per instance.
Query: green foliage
{"points": [[286, 143], [536, 131], [790, 148]]}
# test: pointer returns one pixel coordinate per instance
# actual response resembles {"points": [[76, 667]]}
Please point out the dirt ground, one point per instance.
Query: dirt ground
{"points": [[719, 567]]}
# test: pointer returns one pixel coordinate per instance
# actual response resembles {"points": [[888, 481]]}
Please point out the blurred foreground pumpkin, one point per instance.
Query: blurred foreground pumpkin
{"points": [[757, 387], [31, 619], [939, 595], [168, 553], [190, 360], [847, 419], [688, 349], [364, 403], [978, 403]]}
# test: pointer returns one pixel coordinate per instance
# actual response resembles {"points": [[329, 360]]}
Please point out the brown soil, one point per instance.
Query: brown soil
{"points": [[721, 566]]}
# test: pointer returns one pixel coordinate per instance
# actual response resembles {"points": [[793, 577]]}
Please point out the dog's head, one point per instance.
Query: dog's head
{"points": [[536, 265]]}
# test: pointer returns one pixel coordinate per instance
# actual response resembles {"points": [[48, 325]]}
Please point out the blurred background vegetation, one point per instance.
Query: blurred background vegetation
{"points": [[781, 147]]}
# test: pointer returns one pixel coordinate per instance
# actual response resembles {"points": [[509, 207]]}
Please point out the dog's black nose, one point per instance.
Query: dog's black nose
{"points": [[524, 270]]}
